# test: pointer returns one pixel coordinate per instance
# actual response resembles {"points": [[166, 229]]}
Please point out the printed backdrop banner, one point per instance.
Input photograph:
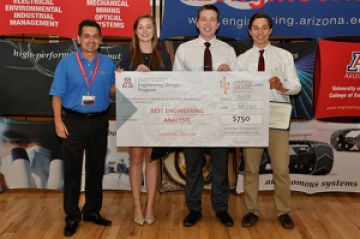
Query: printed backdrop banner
{"points": [[62, 17], [304, 57], [324, 157], [31, 157], [315, 19], [27, 71], [337, 92]]}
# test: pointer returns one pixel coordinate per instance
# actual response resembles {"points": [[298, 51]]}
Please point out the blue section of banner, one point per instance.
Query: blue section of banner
{"points": [[307, 18]]}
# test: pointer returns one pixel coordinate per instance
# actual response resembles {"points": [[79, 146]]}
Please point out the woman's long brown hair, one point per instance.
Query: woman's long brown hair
{"points": [[135, 52]]}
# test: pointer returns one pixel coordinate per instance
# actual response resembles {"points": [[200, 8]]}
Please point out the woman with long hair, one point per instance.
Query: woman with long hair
{"points": [[145, 55]]}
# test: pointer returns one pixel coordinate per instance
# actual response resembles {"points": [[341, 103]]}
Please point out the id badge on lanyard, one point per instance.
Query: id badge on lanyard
{"points": [[88, 100]]}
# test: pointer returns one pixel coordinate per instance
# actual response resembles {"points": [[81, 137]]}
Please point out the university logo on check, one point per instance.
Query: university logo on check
{"points": [[224, 85], [127, 83]]}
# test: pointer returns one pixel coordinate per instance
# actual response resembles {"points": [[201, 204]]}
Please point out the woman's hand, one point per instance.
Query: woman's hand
{"points": [[142, 68], [119, 70]]}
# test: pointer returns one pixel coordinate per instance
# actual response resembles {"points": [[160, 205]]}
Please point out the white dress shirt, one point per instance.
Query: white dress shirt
{"points": [[190, 55], [279, 63]]}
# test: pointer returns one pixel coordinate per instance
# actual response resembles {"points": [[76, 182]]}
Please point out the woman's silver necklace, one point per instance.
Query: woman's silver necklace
{"points": [[147, 59], [147, 56]]}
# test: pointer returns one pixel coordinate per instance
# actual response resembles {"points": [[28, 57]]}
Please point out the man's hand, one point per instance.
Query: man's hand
{"points": [[61, 129], [275, 83], [223, 67]]}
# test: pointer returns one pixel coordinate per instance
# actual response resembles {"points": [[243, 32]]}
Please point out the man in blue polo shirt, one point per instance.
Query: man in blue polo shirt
{"points": [[81, 90]]}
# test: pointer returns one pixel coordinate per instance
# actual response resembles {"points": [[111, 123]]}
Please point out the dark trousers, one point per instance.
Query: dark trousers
{"points": [[195, 181], [89, 134]]}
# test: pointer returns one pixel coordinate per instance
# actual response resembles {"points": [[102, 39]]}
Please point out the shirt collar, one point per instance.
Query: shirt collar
{"points": [[267, 48], [202, 41], [81, 55]]}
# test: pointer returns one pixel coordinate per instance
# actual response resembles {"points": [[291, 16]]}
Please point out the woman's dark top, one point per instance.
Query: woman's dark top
{"points": [[125, 61]]}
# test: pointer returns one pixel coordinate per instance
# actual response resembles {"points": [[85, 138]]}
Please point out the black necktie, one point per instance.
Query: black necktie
{"points": [[207, 57], [261, 63]]}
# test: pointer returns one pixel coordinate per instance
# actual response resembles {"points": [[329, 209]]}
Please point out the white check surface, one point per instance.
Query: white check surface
{"points": [[205, 109]]}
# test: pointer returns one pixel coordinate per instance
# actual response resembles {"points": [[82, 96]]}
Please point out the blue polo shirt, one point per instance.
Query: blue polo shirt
{"points": [[69, 83]]}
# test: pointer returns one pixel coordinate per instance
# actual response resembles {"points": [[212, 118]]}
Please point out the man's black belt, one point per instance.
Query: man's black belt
{"points": [[86, 115]]}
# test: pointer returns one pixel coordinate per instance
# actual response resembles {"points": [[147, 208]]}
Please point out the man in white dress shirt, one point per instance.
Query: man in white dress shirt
{"points": [[285, 82], [191, 56]]}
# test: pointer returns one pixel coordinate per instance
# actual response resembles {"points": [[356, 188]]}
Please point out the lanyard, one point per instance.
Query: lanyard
{"points": [[83, 71]]}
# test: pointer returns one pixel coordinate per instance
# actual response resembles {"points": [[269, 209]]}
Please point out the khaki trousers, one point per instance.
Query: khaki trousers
{"points": [[279, 154]]}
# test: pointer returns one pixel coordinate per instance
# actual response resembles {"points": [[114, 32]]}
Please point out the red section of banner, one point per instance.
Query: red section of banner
{"points": [[338, 88], [62, 17]]}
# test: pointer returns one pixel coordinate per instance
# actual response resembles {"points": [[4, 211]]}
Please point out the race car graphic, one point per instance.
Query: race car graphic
{"points": [[306, 157], [346, 140]]}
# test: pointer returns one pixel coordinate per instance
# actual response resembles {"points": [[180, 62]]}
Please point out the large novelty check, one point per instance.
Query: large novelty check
{"points": [[217, 109]]}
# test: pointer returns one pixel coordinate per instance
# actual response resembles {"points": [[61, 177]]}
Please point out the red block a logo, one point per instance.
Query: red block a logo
{"points": [[355, 63]]}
